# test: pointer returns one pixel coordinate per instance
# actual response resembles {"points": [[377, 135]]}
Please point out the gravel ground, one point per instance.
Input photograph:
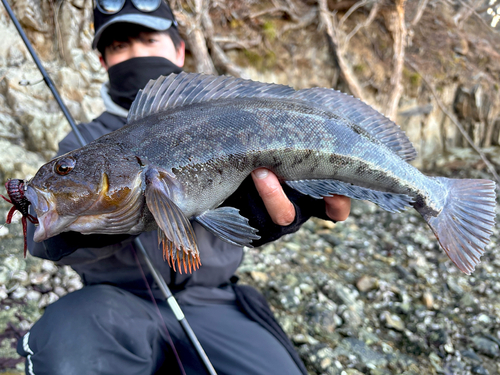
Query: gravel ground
{"points": [[373, 295]]}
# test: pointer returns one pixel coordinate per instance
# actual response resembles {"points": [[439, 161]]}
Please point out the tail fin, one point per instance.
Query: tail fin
{"points": [[465, 224]]}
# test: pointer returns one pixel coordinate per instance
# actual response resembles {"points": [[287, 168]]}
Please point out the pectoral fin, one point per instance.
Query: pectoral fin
{"points": [[229, 225], [175, 231]]}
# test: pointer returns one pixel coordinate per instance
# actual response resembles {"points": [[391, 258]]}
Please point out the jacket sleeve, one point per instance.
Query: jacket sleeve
{"points": [[251, 206], [57, 247]]}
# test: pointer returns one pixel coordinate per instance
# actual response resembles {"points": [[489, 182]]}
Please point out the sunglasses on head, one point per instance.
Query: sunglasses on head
{"points": [[114, 6]]}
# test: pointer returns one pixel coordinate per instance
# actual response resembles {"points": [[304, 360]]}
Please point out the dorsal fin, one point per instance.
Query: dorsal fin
{"points": [[189, 88], [362, 115]]}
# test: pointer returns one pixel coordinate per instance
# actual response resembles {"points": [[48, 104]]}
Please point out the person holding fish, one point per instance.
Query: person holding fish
{"points": [[111, 326]]}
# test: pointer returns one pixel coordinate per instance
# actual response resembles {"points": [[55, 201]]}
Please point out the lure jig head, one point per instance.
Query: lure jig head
{"points": [[15, 190]]}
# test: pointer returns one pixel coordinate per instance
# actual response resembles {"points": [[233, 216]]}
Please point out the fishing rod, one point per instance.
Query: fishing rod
{"points": [[172, 302]]}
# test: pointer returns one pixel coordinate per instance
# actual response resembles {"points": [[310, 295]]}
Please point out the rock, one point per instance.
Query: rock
{"points": [[438, 338], [483, 318], [74, 284], [22, 277], [304, 339], [461, 47], [19, 293], [33, 295], [367, 356], [343, 295], [351, 371], [44, 132], [60, 291], [4, 275], [15, 56], [49, 267], [306, 288], [11, 130], [366, 283], [259, 276], [428, 300], [479, 370], [71, 84], [70, 20], [467, 300], [485, 346], [3, 292], [392, 321], [91, 108], [323, 318], [380, 371], [14, 263], [29, 17], [453, 285], [436, 362], [471, 356], [320, 359], [17, 162], [47, 299], [39, 278]]}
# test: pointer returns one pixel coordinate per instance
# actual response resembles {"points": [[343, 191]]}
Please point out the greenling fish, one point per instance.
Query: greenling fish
{"points": [[191, 140]]}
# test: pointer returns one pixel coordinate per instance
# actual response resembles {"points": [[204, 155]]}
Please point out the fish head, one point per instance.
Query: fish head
{"points": [[76, 190]]}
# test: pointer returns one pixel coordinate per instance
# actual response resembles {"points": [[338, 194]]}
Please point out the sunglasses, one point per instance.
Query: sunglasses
{"points": [[114, 6]]}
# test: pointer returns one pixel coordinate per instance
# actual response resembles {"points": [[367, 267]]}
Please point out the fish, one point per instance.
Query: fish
{"points": [[191, 139]]}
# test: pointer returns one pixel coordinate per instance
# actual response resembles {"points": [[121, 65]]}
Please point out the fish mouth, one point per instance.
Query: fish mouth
{"points": [[49, 222]]}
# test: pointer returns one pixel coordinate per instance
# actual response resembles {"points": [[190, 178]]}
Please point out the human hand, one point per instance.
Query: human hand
{"points": [[280, 208]]}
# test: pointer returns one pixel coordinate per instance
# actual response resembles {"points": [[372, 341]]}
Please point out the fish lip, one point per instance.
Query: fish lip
{"points": [[41, 232], [49, 221], [51, 224], [38, 200]]}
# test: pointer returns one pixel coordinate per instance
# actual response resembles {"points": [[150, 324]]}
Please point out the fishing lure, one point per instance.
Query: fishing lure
{"points": [[15, 190]]}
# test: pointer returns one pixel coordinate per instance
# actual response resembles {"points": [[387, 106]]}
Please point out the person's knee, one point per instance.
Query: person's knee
{"points": [[75, 309], [76, 315], [81, 325]]}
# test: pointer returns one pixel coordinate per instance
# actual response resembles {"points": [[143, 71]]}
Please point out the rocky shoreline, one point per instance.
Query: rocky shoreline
{"points": [[373, 295]]}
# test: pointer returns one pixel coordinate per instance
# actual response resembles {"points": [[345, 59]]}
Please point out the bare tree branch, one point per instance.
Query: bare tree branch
{"points": [[193, 34], [228, 42], [334, 34], [484, 23], [368, 21], [351, 10], [304, 21], [422, 4], [289, 9], [266, 11], [217, 52], [453, 119], [396, 24], [465, 12]]}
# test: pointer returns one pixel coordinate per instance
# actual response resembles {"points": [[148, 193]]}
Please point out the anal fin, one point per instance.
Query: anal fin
{"points": [[324, 188], [229, 225]]}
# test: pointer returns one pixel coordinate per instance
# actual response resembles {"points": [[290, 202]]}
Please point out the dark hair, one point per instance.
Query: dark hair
{"points": [[124, 32]]}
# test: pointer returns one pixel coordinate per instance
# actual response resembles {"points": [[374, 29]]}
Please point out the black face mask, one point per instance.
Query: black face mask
{"points": [[128, 77]]}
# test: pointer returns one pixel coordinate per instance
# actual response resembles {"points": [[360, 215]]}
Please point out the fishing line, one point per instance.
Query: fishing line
{"points": [[26, 82], [153, 299]]}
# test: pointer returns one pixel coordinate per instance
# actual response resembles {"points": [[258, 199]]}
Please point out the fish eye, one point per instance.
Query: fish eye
{"points": [[64, 165]]}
